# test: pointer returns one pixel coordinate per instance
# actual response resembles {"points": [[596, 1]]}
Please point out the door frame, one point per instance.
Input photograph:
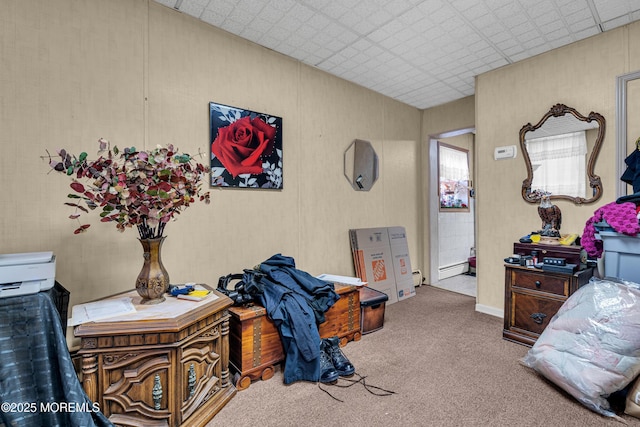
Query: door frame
{"points": [[434, 203]]}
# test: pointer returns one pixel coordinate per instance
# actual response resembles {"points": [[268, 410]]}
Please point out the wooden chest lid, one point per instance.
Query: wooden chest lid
{"points": [[247, 312], [254, 310]]}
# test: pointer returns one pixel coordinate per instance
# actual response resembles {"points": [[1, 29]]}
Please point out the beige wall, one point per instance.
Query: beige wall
{"points": [[141, 74], [581, 75]]}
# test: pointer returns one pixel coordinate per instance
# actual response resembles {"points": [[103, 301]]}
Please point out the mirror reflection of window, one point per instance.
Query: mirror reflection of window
{"points": [[453, 170], [559, 163]]}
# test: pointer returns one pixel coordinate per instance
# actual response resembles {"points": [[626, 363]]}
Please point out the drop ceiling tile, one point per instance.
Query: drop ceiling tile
{"points": [[315, 4], [500, 37], [609, 10], [255, 33], [194, 7], [259, 24], [454, 25], [539, 9], [168, 3], [501, 47], [559, 34], [402, 47], [363, 27], [571, 6], [214, 18], [300, 14], [271, 15], [335, 10], [525, 27], [587, 32], [616, 22], [580, 24], [500, 62], [508, 11], [442, 15], [537, 50], [510, 52], [560, 42]]}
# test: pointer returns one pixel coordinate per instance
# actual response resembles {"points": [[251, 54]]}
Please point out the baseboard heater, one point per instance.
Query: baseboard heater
{"points": [[452, 270]]}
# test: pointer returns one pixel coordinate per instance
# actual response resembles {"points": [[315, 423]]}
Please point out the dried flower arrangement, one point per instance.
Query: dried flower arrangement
{"points": [[145, 189]]}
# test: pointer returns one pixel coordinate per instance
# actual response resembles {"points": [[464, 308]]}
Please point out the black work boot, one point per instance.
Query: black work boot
{"points": [[340, 362], [328, 373]]}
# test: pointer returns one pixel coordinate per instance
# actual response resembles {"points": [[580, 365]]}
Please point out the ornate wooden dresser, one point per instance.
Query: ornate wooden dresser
{"points": [[164, 365], [533, 296]]}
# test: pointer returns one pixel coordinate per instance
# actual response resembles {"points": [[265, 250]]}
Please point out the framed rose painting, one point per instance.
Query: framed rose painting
{"points": [[246, 148]]}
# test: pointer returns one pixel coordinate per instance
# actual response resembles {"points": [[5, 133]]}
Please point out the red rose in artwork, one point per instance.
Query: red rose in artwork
{"points": [[241, 145]]}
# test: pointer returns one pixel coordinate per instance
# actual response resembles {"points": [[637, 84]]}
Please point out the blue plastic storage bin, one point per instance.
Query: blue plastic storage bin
{"points": [[621, 255]]}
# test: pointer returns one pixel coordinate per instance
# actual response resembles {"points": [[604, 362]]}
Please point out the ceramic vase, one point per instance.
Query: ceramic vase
{"points": [[153, 280]]}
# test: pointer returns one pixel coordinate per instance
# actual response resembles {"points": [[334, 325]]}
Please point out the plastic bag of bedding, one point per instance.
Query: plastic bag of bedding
{"points": [[591, 347]]}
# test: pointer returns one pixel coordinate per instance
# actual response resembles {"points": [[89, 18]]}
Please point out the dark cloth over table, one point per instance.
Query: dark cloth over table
{"points": [[632, 174], [38, 383], [296, 302]]}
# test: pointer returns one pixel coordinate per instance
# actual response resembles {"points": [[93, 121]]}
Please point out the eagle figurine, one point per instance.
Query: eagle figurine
{"points": [[551, 217]]}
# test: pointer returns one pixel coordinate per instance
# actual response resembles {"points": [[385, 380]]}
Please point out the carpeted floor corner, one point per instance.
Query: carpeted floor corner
{"points": [[436, 362]]}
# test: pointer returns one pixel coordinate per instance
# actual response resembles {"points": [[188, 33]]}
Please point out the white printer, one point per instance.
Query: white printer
{"points": [[26, 273]]}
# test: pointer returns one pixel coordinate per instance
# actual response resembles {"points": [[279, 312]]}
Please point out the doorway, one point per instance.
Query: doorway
{"points": [[452, 231]]}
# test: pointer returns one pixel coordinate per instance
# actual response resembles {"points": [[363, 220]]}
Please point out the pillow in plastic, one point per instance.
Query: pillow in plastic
{"points": [[591, 347], [632, 404]]}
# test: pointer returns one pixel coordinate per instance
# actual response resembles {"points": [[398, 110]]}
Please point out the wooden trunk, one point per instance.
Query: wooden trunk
{"points": [[254, 341]]}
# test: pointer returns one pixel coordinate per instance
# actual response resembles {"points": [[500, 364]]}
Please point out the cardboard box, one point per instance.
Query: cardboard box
{"points": [[401, 262], [381, 258], [372, 255]]}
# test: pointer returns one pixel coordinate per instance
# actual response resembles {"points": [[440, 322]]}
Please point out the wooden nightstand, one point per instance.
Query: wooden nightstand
{"points": [[165, 365], [533, 297]]}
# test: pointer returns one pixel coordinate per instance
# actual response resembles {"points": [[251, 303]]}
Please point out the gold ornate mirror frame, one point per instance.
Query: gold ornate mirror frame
{"points": [[595, 183]]}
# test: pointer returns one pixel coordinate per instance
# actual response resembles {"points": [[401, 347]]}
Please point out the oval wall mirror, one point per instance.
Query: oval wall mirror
{"points": [[560, 153]]}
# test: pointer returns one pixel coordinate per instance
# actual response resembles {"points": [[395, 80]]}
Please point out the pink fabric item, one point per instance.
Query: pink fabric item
{"points": [[620, 216]]}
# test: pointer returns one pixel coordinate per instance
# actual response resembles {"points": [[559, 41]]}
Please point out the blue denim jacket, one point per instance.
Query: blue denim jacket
{"points": [[296, 302]]}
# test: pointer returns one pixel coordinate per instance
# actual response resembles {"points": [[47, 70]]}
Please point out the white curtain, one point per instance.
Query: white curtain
{"points": [[559, 163], [454, 178], [454, 164]]}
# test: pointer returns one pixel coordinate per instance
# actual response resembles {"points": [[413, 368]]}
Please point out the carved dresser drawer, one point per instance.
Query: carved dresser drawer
{"points": [[164, 365], [533, 297], [538, 280]]}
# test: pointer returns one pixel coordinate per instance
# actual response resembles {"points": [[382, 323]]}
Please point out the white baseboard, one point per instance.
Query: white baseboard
{"points": [[452, 270], [490, 310]]}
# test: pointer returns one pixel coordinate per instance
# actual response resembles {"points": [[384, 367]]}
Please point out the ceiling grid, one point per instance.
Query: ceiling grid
{"points": [[420, 52]]}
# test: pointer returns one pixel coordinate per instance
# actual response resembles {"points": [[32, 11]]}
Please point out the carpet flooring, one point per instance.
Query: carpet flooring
{"points": [[436, 362]]}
